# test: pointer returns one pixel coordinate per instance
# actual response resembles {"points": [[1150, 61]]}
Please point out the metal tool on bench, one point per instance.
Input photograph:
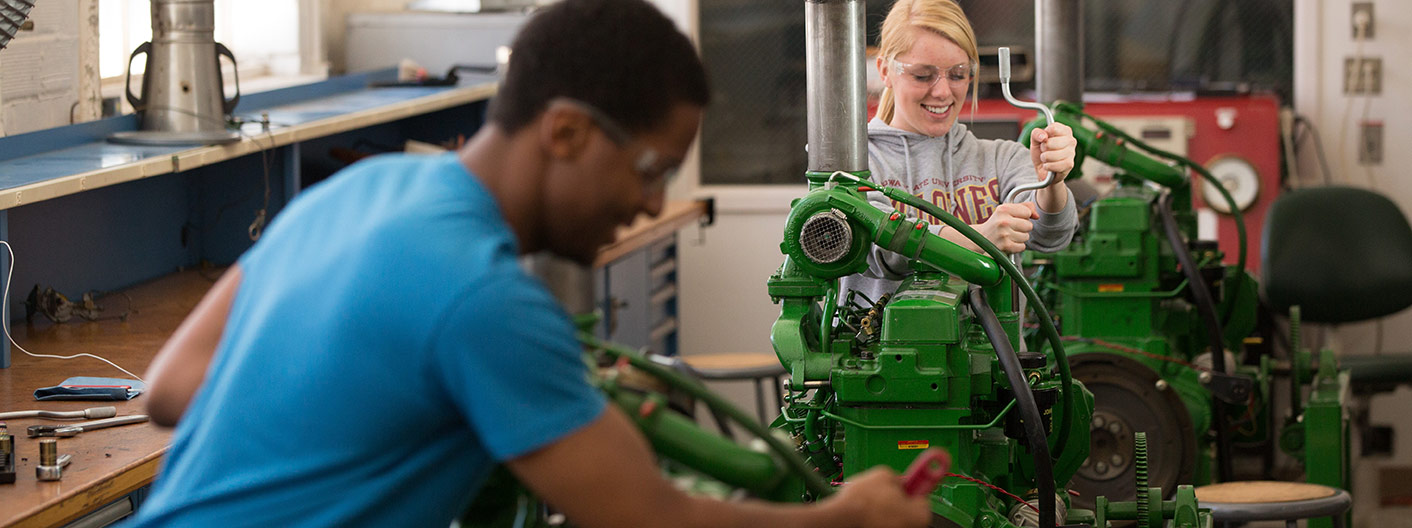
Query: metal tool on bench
{"points": [[91, 413], [51, 463], [74, 429], [7, 456], [183, 98]]}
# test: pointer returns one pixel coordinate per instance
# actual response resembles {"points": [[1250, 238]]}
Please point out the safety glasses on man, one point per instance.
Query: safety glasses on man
{"points": [[650, 165]]}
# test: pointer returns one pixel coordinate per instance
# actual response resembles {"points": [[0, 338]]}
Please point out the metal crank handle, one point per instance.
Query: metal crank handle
{"points": [[1048, 116]]}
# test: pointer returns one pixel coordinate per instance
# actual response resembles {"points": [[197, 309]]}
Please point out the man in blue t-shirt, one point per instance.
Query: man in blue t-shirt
{"points": [[379, 351]]}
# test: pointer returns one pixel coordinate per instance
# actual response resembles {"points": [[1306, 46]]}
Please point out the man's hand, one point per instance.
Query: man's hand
{"points": [[874, 499], [604, 476], [1052, 150], [1008, 227]]}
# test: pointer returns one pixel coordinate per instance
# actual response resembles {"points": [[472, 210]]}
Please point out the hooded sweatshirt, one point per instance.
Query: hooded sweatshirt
{"points": [[965, 176]]}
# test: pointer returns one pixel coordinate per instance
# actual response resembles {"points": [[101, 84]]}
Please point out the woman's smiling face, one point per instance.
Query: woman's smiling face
{"points": [[929, 83]]}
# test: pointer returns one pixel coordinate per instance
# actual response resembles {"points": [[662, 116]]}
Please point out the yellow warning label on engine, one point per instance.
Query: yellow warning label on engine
{"points": [[1110, 288], [912, 444]]}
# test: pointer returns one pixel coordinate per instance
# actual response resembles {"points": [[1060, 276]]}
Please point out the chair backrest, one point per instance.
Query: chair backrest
{"points": [[1342, 254]]}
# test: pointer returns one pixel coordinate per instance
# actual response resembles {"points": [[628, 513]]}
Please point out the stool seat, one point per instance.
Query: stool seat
{"points": [[734, 366], [752, 366], [1262, 500]]}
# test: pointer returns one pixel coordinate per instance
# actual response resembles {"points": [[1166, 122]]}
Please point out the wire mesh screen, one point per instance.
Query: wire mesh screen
{"points": [[755, 129], [754, 132], [826, 237], [1158, 46]]}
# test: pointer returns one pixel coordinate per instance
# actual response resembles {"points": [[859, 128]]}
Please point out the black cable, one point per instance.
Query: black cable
{"points": [[1206, 306], [1242, 243], [1318, 147], [1029, 410], [1046, 320]]}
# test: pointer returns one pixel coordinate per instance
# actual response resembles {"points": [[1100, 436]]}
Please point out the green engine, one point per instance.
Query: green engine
{"points": [[1136, 334], [874, 381]]}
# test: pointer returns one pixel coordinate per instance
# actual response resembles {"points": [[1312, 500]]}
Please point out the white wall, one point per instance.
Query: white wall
{"points": [[49, 75], [334, 14], [1323, 38]]}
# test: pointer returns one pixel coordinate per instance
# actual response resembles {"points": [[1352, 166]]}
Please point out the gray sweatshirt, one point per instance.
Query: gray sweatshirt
{"points": [[964, 175]]}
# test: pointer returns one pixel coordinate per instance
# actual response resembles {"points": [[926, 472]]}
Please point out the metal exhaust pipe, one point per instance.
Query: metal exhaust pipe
{"points": [[836, 83]]}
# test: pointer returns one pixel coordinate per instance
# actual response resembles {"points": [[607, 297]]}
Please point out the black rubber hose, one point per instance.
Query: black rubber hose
{"points": [[1206, 306], [1046, 321], [1029, 410], [1210, 179]]}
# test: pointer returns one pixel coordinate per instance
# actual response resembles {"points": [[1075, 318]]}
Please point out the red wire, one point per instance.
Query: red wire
{"points": [[977, 481], [996, 488], [866, 189], [1131, 350]]}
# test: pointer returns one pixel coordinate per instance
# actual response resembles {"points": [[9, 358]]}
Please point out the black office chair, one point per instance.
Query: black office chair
{"points": [[1341, 254]]}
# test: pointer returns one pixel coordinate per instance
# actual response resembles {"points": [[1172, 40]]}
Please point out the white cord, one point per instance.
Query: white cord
{"points": [[1361, 32], [6, 313], [1367, 102]]}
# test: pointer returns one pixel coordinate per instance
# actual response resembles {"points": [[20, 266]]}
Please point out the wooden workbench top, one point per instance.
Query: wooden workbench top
{"points": [[643, 231], [110, 463], [107, 463]]}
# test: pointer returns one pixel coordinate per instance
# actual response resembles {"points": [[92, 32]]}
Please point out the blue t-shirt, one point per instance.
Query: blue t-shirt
{"points": [[384, 351]]}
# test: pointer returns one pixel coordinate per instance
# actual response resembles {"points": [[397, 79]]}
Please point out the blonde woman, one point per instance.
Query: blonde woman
{"points": [[927, 60]]}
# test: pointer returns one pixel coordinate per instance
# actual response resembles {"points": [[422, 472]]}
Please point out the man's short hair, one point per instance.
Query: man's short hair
{"points": [[622, 56]]}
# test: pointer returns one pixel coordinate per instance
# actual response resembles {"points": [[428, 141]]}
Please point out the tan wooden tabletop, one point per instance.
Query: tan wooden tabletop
{"points": [[107, 463], [643, 231]]}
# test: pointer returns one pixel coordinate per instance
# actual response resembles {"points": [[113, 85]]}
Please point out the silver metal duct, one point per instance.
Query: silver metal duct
{"points": [[837, 98], [1059, 51]]}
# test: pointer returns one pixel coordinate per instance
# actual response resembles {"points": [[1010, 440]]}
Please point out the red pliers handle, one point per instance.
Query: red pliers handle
{"points": [[926, 472]]}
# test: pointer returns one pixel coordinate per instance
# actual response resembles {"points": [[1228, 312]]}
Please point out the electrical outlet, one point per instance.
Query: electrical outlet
{"points": [[1370, 143], [1363, 14], [1362, 76], [1372, 75]]}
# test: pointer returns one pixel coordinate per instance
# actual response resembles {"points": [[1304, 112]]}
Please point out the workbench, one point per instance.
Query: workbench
{"points": [[85, 214], [109, 464]]}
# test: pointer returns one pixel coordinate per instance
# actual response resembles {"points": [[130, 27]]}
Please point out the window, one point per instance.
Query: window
{"points": [[264, 35]]}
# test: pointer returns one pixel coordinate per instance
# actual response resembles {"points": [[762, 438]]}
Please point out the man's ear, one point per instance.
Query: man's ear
{"points": [[563, 132]]}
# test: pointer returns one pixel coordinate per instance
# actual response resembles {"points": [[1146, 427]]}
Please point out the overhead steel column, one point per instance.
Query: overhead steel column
{"points": [[1059, 50], [837, 98]]}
